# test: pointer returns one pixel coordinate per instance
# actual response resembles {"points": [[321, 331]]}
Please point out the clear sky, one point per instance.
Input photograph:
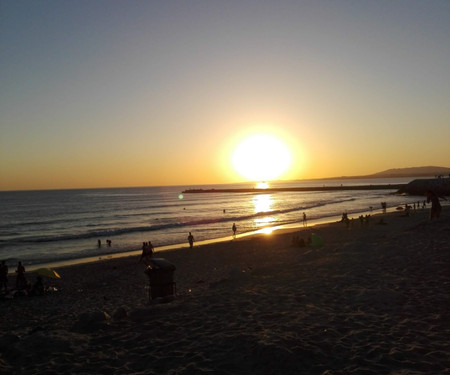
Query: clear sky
{"points": [[143, 93]]}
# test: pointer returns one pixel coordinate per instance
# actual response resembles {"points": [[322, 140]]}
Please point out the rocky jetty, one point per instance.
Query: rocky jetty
{"points": [[300, 189], [440, 186]]}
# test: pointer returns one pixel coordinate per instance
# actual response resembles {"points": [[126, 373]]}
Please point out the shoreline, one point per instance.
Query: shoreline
{"points": [[282, 230], [184, 246]]}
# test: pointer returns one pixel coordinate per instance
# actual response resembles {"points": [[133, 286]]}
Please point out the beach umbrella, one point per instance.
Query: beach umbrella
{"points": [[48, 272]]}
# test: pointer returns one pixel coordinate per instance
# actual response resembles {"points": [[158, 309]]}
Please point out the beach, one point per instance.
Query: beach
{"points": [[374, 299]]}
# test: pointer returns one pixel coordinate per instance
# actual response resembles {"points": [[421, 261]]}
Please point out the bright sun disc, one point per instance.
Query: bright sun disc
{"points": [[261, 158]]}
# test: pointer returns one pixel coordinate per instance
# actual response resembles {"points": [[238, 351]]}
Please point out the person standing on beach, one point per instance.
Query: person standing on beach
{"points": [[21, 281], [147, 252], [144, 253], [305, 222], [191, 240], [234, 229], [3, 276], [435, 204], [151, 248]]}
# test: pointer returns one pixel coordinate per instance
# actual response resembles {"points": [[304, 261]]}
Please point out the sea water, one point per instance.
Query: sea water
{"points": [[49, 226]]}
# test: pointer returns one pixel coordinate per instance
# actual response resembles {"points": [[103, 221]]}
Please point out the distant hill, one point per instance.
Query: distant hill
{"points": [[430, 171]]}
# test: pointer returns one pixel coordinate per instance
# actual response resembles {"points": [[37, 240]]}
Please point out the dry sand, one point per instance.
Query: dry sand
{"points": [[372, 300]]}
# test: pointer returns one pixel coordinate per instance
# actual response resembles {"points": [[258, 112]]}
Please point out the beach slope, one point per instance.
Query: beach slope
{"points": [[372, 300]]}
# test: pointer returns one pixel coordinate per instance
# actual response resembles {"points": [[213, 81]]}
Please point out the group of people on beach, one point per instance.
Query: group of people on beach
{"points": [[148, 249], [298, 241], [364, 220], [147, 252], [23, 286], [21, 281]]}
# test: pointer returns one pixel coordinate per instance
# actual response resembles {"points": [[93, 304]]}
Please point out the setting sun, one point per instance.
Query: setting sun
{"points": [[261, 158]]}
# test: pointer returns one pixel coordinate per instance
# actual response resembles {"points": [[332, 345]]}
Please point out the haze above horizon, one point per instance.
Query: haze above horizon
{"points": [[421, 172], [114, 94]]}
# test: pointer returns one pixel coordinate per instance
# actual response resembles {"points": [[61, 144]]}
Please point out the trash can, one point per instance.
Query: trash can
{"points": [[160, 274]]}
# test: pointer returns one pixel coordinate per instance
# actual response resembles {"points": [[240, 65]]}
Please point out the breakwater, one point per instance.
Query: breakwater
{"points": [[299, 189]]}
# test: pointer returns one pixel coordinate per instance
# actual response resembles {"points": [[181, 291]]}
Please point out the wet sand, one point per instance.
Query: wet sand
{"points": [[374, 299]]}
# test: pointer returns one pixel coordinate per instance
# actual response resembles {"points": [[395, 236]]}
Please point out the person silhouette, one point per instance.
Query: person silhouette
{"points": [[234, 229], [147, 252], [191, 240], [435, 204], [21, 281], [3, 276], [38, 287]]}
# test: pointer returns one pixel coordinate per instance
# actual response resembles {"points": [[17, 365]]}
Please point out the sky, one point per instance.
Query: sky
{"points": [[148, 93]]}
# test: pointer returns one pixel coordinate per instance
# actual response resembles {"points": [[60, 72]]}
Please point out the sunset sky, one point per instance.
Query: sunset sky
{"points": [[144, 93]]}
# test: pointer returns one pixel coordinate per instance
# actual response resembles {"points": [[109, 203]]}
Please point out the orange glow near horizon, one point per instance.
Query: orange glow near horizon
{"points": [[186, 96]]}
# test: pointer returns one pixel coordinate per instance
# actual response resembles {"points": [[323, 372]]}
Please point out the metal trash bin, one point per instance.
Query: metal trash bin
{"points": [[160, 274]]}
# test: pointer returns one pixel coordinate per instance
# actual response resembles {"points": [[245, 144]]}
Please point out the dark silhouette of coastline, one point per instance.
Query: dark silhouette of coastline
{"points": [[439, 186]]}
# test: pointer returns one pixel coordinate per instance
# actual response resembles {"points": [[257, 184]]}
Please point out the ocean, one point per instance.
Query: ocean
{"points": [[53, 226]]}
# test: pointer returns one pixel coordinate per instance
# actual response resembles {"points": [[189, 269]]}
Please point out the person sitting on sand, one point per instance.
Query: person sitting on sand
{"points": [[345, 219], [38, 287], [297, 241], [407, 209], [3, 276]]}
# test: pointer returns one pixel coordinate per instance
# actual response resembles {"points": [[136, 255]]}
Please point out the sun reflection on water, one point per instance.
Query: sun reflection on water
{"points": [[266, 230], [263, 203], [262, 185]]}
